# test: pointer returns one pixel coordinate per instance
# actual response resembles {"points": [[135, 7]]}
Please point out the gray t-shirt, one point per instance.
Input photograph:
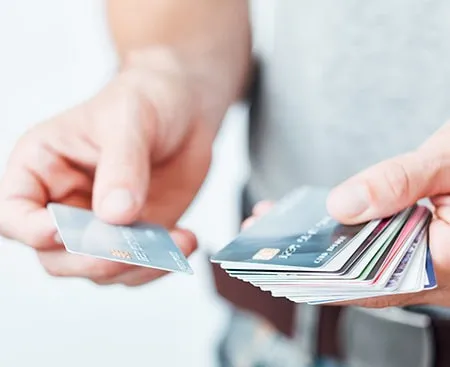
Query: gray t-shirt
{"points": [[344, 85]]}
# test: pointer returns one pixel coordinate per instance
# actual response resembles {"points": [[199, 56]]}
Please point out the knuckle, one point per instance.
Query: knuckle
{"points": [[18, 153], [51, 162], [28, 142], [37, 241], [35, 244], [29, 146], [397, 179], [28, 137], [34, 154]]}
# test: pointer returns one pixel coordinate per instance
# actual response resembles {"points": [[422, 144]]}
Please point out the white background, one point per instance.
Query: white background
{"points": [[53, 54]]}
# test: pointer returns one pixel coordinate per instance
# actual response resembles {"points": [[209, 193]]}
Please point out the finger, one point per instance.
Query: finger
{"points": [[443, 213], [123, 172], [35, 175], [385, 188], [23, 216], [398, 300], [185, 240], [247, 223], [263, 207], [28, 222], [441, 200], [134, 277], [60, 263], [439, 233], [24, 221]]}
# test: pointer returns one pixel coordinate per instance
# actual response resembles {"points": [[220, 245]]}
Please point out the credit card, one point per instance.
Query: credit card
{"points": [[140, 244], [297, 251], [383, 240], [377, 279], [405, 263], [430, 276], [355, 258], [411, 278], [298, 234]]}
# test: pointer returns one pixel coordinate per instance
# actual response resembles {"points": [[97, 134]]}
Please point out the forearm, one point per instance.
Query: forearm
{"points": [[210, 37]]}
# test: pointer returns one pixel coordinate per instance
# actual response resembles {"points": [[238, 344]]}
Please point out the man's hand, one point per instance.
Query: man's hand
{"points": [[139, 150], [389, 187]]}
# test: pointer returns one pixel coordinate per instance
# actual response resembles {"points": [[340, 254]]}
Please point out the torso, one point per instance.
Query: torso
{"points": [[345, 84]]}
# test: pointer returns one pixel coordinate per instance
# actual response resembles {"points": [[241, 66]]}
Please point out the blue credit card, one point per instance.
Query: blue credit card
{"points": [[140, 244], [431, 275], [298, 233]]}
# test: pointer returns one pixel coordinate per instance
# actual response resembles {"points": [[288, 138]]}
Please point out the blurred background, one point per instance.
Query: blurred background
{"points": [[55, 54]]}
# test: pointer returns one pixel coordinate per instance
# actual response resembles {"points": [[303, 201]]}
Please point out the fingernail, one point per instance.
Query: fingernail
{"points": [[348, 201], [262, 207], [248, 223], [117, 202], [57, 239]]}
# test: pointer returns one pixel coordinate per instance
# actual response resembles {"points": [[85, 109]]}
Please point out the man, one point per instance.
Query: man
{"points": [[343, 85]]}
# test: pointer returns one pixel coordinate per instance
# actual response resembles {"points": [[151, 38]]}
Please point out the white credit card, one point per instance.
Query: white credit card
{"points": [[138, 244]]}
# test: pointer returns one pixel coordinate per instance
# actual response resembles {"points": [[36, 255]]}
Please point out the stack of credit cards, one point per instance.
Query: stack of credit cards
{"points": [[299, 252], [140, 244]]}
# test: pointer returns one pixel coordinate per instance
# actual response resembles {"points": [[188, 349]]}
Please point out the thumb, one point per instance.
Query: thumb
{"points": [[122, 176], [385, 189]]}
